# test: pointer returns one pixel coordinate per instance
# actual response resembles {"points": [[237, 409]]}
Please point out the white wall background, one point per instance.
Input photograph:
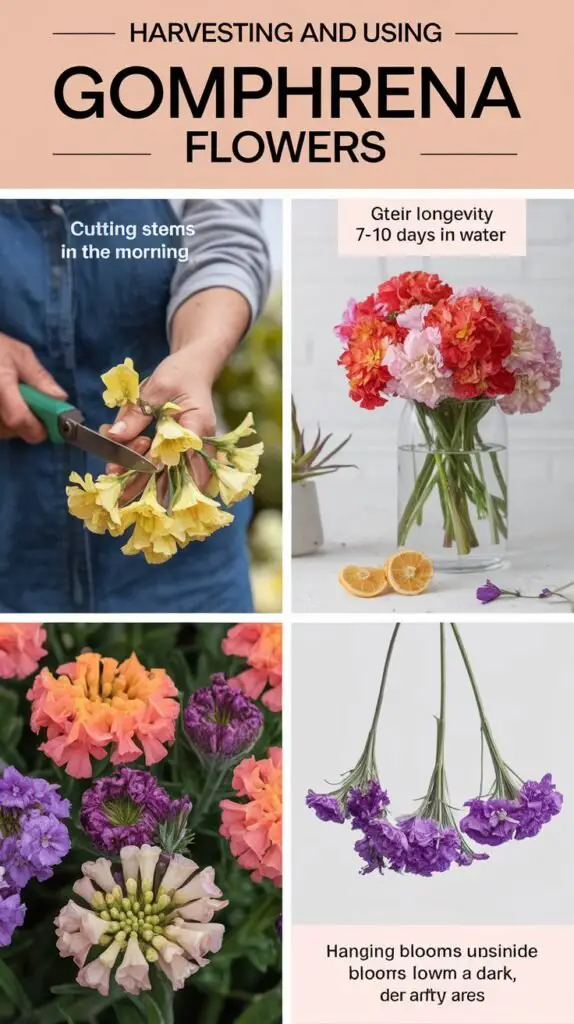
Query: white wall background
{"points": [[542, 445]]}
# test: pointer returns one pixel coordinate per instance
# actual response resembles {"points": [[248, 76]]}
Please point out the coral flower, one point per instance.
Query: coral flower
{"points": [[254, 828], [367, 336], [262, 645], [476, 341], [122, 385], [95, 703], [156, 910], [21, 648], [413, 288]]}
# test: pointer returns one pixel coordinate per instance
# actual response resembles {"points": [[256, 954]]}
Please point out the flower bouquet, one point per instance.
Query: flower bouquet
{"points": [[432, 837], [167, 510], [126, 875], [461, 359]]}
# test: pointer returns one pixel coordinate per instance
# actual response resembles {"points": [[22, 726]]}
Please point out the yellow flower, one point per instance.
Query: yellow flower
{"points": [[195, 516], [122, 385], [155, 549], [171, 440], [96, 503], [246, 459], [147, 513], [244, 429], [233, 484]]}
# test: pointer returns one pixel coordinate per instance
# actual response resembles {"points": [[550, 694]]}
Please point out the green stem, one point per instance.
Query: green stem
{"points": [[505, 784], [371, 737], [216, 772]]}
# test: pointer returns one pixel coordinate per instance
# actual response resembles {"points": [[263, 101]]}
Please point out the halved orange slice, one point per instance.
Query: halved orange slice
{"points": [[364, 580], [409, 572]]}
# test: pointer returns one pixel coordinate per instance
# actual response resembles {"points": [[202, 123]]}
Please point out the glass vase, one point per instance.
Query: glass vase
{"points": [[452, 486]]}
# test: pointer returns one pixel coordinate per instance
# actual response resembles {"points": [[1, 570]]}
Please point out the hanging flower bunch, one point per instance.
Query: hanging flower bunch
{"points": [[430, 839], [454, 355], [169, 510]]}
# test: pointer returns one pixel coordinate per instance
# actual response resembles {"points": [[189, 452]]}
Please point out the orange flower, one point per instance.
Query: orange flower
{"points": [[94, 703], [261, 643], [254, 828], [20, 648]]}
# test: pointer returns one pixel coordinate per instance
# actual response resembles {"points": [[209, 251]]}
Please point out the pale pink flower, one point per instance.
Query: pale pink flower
{"points": [[414, 318], [153, 912], [97, 973], [531, 394], [133, 972], [417, 368]]}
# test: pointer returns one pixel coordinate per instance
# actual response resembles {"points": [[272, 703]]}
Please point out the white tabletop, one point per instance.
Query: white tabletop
{"points": [[540, 554]]}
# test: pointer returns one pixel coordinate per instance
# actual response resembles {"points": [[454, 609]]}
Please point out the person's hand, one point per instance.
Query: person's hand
{"points": [[177, 380], [18, 364]]}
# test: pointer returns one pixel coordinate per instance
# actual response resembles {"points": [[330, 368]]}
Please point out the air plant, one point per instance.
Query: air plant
{"points": [[316, 460]]}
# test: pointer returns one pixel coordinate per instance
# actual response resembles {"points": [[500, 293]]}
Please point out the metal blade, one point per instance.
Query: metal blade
{"points": [[103, 447]]}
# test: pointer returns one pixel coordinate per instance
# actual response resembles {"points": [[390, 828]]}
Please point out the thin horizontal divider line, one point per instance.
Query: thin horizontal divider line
{"points": [[486, 33], [468, 154], [101, 154], [84, 33]]}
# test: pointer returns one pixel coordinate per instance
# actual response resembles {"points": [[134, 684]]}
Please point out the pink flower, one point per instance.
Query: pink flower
{"points": [[254, 828], [261, 645], [531, 393], [417, 367], [20, 648], [414, 318]]}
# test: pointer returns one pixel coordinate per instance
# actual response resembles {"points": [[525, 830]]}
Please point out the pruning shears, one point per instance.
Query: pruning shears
{"points": [[65, 425]]}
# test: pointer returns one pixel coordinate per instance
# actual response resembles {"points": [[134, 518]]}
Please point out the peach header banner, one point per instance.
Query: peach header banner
{"points": [[181, 95], [387, 978]]}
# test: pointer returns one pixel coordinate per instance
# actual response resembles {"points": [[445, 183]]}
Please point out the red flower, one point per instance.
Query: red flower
{"points": [[413, 288], [476, 339], [368, 337]]}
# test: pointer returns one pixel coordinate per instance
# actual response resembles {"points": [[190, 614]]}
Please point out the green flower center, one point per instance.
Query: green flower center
{"points": [[121, 811], [9, 821], [142, 915]]}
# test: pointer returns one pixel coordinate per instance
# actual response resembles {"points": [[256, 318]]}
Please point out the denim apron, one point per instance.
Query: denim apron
{"points": [[81, 317]]}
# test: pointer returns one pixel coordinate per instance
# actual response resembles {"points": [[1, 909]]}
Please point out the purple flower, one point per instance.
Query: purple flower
{"points": [[384, 846], [221, 721], [365, 804], [44, 843], [326, 807], [32, 836], [490, 822], [545, 592], [432, 847], [126, 808], [489, 592], [12, 911], [538, 802]]}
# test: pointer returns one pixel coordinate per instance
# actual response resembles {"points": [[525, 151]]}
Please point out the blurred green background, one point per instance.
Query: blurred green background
{"points": [[252, 381], [242, 984]]}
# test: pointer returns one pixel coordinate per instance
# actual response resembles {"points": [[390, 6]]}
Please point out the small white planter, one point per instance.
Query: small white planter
{"points": [[307, 529]]}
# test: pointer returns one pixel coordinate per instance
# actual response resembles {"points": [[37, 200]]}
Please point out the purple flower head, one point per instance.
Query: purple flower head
{"points": [[384, 846], [489, 592], [432, 847], [12, 912], [538, 802], [326, 807], [466, 857], [32, 836], [490, 822], [365, 804], [545, 592], [221, 721], [126, 808]]}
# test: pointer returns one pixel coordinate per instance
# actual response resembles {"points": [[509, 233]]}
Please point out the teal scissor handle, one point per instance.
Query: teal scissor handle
{"points": [[47, 409]]}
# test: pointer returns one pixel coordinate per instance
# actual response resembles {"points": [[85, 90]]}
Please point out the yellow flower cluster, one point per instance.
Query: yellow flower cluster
{"points": [[169, 510]]}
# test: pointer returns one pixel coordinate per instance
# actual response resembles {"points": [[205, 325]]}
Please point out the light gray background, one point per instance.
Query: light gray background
{"points": [[525, 675]]}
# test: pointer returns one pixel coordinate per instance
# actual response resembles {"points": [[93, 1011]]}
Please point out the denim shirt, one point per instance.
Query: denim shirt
{"points": [[81, 317]]}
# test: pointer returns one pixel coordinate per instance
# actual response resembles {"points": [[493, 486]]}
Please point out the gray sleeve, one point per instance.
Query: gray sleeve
{"points": [[228, 249]]}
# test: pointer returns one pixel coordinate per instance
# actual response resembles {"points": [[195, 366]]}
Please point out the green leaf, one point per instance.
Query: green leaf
{"points": [[130, 1013], [12, 988], [265, 1009], [153, 1012]]}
